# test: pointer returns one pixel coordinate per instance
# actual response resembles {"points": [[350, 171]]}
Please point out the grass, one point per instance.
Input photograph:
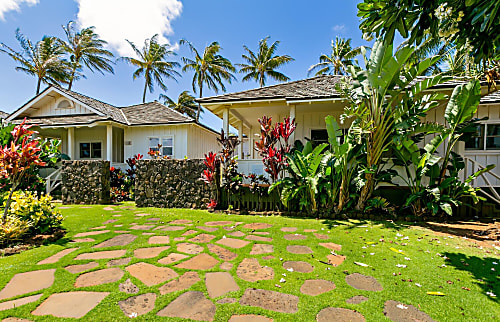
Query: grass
{"points": [[438, 263]]}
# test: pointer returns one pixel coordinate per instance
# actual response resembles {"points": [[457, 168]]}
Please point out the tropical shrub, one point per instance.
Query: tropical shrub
{"points": [[13, 228]]}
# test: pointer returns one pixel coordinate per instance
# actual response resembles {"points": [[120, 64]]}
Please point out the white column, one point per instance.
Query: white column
{"points": [[252, 138], [292, 116], [71, 142], [240, 138], [109, 142], [225, 121]]}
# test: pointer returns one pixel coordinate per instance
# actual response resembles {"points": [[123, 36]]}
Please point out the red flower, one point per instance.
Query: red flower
{"points": [[212, 204]]}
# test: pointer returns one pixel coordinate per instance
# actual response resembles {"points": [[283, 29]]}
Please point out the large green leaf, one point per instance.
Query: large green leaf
{"points": [[463, 103]]}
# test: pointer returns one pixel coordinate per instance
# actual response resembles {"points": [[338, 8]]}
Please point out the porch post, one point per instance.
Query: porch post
{"points": [[240, 138], [225, 121], [292, 116], [109, 142], [251, 140], [71, 140]]}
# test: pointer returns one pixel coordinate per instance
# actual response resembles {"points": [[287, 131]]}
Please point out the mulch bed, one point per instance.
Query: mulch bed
{"points": [[31, 242]]}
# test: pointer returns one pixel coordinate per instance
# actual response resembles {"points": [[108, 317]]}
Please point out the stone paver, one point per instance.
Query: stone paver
{"points": [[107, 254], [12, 319], [237, 234], [56, 257], [172, 258], [259, 238], [28, 282], [258, 249], [335, 259], [119, 262], [91, 233], [310, 230], [22, 301], [270, 300], [102, 276], [158, 240], [218, 223], [226, 266], [294, 237], [199, 262], [208, 229], [251, 271], [180, 222], [337, 314], [190, 305], [149, 252], [138, 305], [171, 228], [98, 228], [110, 221], [150, 274], [120, 240], [268, 257], [184, 282], [142, 227], [407, 313], [189, 248], [357, 299], [233, 243], [331, 246], [190, 232], [257, 226], [83, 240], [75, 269], [316, 287], [178, 239], [363, 282], [153, 219], [222, 253], [220, 283], [250, 318], [202, 238], [262, 233], [128, 287], [298, 266], [70, 304], [321, 236], [299, 249], [289, 229]]}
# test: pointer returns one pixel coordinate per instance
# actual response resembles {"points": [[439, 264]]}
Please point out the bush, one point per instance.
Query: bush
{"points": [[12, 229]]}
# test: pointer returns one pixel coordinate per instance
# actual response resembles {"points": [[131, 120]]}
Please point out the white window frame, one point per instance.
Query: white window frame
{"points": [[90, 142], [484, 149], [160, 139], [61, 99]]}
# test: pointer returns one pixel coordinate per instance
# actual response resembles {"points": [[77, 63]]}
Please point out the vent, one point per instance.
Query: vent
{"points": [[128, 142]]}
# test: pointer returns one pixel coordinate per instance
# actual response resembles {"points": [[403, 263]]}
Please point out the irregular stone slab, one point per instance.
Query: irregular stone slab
{"points": [[171, 228], [321, 236], [190, 305], [120, 240], [128, 287], [294, 237], [199, 262], [208, 229], [262, 233], [153, 219], [335, 259], [184, 282], [180, 222], [138, 305], [122, 231], [339, 314], [222, 253], [142, 215], [268, 257], [202, 238], [251, 271], [288, 229], [190, 232], [150, 274], [270, 300], [331, 246], [70, 304], [409, 313], [228, 228], [227, 300], [108, 208], [220, 283], [189, 248], [362, 282], [142, 227], [258, 249], [316, 287], [357, 299], [83, 240], [107, 254], [91, 233], [172, 258], [28, 282], [147, 234], [310, 230], [98, 228], [15, 303], [237, 234], [159, 240], [102, 276], [178, 239], [118, 226], [119, 262], [257, 226], [110, 221], [233, 243], [298, 266], [249, 318], [259, 238], [218, 223], [75, 269], [56, 257], [149, 252], [226, 266], [298, 249]]}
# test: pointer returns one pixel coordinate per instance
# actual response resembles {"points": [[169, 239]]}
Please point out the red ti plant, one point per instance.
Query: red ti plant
{"points": [[19, 157]]}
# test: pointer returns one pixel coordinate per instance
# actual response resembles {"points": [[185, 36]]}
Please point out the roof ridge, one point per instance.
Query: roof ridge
{"points": [[95, 99]]}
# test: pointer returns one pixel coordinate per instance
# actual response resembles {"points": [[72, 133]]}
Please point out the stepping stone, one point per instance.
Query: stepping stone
{"points": [[180, 222], [408, 313], [91, 233], [226, 266], [138, 305], [220, 283], [310, 230], [22, 301], [142, 227], [119, 262], [98, 228], [128, 287], [218, 223], [122, 231], [103, 276], [316, 287], [249, 318], [227, 300], [251, 271], [237, 234], [257, 226], [222, 253], [75, 269], [229, 228], [11, 319], [190, 305], [117, 215], [258, 249], [107, 254], [362, 282], [335, 259], [208, 229], [190, 232], [262, 233], [339, 315], [357, 299], [294, 237], [202, 238], [184, 282], [150, 274], [270, 300], [118, 226], [56, 257], [189, 248], [108, 208], [298, 249], [142, 215], [70, 304], [259, 238], [148, 234], [288, 229], [321, 236], [171, 228], [172, 258], [110, 221], [153, 219], [268, 257], [178, 239], [28, 282], [150, 252], [83, 240], [331, 246], [233, 243], [158, 240], [199, 262], [120, 240], [298, 266]]}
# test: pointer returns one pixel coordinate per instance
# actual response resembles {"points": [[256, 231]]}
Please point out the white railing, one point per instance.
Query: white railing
{"points": [[471, 167], [53, 181]]}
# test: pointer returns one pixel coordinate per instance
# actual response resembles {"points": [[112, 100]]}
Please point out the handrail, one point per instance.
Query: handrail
{"points": [[52, 181], [493, 195]]}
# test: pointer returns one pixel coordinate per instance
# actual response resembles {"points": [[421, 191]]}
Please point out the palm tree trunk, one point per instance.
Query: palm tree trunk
{"points": [[199, 105], [38, 85], [72, 76], [144, 93]]}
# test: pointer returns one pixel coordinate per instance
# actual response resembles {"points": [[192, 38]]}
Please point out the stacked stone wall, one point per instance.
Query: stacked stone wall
{"points": [[85, 182]]}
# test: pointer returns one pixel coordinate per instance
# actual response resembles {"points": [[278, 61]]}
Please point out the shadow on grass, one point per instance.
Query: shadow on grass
{"points": [[480, 268], [356, 223]]}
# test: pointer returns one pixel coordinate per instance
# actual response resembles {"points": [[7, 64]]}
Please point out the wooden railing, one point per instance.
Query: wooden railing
{"points": [[486, 188], [53, 181]]}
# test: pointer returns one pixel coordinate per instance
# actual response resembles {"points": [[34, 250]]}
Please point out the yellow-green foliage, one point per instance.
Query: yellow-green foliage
{"points": [[13, 228]]}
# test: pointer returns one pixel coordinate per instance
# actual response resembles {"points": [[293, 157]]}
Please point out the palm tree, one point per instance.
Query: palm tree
{"points": [[210, 68], [264, 63], [84, 47], [44, 60], [151, 63], [342, 55], [186, 103]]}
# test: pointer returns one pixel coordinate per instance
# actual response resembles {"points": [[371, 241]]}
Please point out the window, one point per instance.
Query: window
{"points": [[493, 137], [90, 150], [476, 141], [64, 104], [486, 137], [318, 137], [165, 146]]}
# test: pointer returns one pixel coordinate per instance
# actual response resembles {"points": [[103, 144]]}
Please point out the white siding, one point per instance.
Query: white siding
{"points": [[139, 139], [201, 141], [49, 108], [92, 134]]}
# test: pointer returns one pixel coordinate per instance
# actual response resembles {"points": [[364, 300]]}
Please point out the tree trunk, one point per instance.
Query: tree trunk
{"points": [[144, 93], [7, 204], [199, 105], [71, 78], [38, 85], [366, 192]]}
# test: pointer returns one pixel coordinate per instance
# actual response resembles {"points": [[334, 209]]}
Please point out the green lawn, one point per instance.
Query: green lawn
{"points": [[437, 264]]}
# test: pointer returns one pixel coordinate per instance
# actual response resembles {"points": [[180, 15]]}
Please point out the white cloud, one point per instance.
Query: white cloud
{"points": [[117, 20], [9, 5], [339, 28]]}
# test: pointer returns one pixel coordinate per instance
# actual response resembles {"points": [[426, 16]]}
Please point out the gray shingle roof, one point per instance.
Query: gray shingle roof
{"points": [[65, 120], [153, 113], [491, 98], [3, 115]]}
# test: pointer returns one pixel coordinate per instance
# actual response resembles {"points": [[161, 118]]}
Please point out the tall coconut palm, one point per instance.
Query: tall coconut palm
{"points": [[44, 60], [210, 69], [151, 62], [186, 103], [336, 63], [85, 48], [264, 64]]}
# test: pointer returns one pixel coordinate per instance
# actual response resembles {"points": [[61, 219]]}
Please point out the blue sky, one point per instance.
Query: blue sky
{"points": [[305, 29]]}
